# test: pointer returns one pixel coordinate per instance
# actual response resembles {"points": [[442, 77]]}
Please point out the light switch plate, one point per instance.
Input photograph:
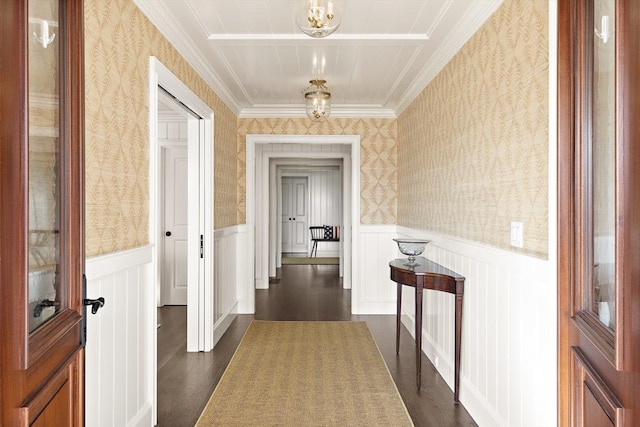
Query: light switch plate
{"points": [[516, 234]]}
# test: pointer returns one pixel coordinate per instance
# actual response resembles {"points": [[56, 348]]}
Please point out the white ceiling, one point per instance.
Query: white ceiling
{"points": [[257, 60]]}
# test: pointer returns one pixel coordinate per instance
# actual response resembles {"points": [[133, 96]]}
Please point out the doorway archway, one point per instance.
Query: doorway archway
{"points": [[257, 185], [200, 153]]}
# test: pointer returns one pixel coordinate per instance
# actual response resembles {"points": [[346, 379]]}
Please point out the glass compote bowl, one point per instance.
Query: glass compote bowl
{"points": [[412, 248]]}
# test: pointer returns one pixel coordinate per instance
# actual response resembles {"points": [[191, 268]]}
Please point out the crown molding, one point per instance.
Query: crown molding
{"points": [[465, 28], [392, 38], [337, 111], [165, 23]]}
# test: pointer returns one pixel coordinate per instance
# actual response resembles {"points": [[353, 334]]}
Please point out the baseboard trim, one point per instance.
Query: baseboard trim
{"points": [[142, 418], [223, 323]]}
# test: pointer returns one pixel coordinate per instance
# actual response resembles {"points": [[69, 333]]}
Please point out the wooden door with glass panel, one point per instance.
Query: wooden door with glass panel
{"points": [[599, 205], [41, 230]]}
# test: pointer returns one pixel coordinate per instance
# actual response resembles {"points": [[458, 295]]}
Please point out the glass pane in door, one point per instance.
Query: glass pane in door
{"points": [[603, 162], [45, 295]]}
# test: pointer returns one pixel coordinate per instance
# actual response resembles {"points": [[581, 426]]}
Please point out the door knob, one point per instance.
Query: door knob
{"points": [[168, 233], [94, 303]]}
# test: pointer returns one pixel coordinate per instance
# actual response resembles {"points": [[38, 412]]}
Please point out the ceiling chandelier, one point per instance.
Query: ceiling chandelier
{"points": [[318, 20], [317, 100]]}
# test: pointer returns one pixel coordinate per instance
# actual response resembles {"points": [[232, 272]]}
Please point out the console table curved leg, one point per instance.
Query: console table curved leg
{"points": [[458, 321], [398, 310], [418, 336]]}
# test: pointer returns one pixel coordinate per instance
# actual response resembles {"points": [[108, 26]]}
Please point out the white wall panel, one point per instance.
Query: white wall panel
{"points": [[226, 281], [244, 294], [376, 293], [120, 347], [172, 128], [508, 375]]}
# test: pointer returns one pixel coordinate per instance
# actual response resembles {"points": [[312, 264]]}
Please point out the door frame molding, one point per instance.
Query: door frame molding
{"points": [[178, 115], [276, 166], [200, 301], [351, 197]]}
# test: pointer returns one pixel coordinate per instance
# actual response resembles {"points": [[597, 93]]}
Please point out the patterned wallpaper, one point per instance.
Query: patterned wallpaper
{"points": [[118, 42], [474, 143], [473, 147], [378, 156]]}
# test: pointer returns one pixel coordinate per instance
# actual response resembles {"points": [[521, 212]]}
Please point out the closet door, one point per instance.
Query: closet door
{"points": [[41, 231], [295, 213], [599, 202]]}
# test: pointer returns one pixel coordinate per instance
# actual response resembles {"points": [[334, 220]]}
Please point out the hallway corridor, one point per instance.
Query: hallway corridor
{"points": [[300, 292]]}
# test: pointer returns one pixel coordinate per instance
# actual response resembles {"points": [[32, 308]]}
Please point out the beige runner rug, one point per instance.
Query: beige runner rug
{"points": [[306, 374], [310, 261]]}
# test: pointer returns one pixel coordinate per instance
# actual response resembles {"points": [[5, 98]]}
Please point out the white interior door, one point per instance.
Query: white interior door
{"points": [[286, 214], [300, 189], [174, 277], [295, 212]]}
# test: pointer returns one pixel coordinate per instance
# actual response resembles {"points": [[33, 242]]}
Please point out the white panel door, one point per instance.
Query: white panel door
{"points": [[286, 214], [174, 275], [295, 224]]}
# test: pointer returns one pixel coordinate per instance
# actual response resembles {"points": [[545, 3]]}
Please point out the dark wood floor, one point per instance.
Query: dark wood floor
{"points": [[300, 292]]}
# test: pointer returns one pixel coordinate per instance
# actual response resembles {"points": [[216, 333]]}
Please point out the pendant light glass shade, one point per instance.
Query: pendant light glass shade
{"points": [[318, 19], [317, 101]]}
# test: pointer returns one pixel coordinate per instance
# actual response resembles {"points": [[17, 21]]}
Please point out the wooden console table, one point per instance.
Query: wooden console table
{"points": [[429, 275]]}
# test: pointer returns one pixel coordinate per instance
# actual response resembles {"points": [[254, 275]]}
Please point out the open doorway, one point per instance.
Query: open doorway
{"points": [[260, 149], [173, 139], [199, 165], [180, 200], [321, 183], [199, 214]]}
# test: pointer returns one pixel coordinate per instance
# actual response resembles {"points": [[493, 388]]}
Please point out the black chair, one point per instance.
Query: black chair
{"points": [[322, 233]]}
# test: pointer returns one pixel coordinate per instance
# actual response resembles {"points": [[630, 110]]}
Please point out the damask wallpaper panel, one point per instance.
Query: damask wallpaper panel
{"points": [[118, 42], [473, 147], [378, 157]]}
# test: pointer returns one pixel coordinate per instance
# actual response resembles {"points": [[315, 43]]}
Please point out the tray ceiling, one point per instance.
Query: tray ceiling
{"points": [[257, 60]]}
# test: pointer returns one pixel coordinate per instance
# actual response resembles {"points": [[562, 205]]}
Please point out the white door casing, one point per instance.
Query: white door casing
{"points": [[200, 298], [316, 215], [257, 182], [174, 277]]}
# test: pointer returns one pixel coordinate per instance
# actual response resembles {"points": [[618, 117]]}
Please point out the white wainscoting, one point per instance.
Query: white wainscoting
{"points": [[228, 243], [374, 293], [509, 350], [120, 346], [245, 292]]}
